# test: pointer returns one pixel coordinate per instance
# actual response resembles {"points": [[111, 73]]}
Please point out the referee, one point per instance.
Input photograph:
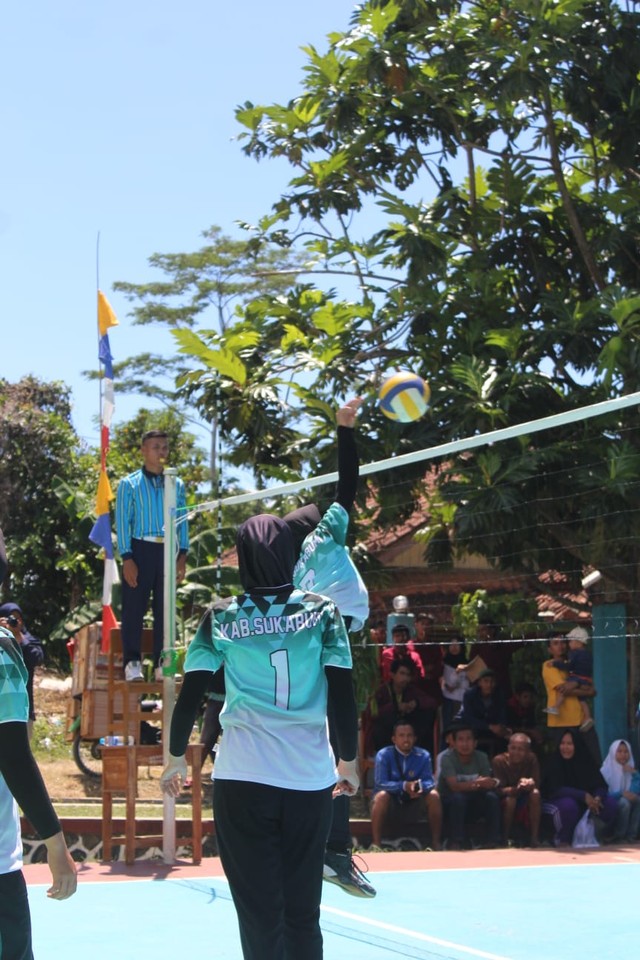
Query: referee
{"points": [[284, 653], [140, 531]]}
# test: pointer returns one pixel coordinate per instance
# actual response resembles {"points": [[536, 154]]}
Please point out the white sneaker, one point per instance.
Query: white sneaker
{"points": [[133, 671]]}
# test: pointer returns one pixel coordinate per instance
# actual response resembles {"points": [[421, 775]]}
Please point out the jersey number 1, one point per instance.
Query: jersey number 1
{"points": [[280, 663]]}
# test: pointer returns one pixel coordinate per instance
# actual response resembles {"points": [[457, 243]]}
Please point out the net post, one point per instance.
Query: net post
{"points": [[169, 642]]}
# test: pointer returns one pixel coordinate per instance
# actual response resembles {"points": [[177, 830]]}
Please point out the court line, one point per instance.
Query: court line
{"points": [[413, 934]]}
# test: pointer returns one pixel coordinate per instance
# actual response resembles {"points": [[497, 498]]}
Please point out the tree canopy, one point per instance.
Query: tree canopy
{"points": [[465, 199]]}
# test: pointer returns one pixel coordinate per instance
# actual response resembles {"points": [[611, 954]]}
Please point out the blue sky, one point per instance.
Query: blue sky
{"points": [[118, 119]]}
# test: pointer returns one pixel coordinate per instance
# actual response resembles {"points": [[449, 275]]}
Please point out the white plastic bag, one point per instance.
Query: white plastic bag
{"points": [[584, 834]]}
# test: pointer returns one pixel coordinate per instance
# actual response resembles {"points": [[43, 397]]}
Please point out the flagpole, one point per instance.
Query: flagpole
{"points": [[98, 332]]}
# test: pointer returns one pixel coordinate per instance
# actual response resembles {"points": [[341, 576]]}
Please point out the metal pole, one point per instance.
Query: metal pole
{"points": [[169, 642]]}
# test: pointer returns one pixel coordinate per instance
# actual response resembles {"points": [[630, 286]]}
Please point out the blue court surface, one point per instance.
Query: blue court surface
{"points": [[427, 907]]}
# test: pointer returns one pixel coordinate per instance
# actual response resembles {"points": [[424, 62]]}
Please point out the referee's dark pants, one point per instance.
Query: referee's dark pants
{"points": [[272, 844], [15, 919], [149, 558]]}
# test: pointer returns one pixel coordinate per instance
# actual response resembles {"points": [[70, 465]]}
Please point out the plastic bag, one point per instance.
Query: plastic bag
{"points": [[584, 834]]}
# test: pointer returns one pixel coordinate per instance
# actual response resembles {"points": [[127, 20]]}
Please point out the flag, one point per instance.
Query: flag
{"points": [[101, 530]]}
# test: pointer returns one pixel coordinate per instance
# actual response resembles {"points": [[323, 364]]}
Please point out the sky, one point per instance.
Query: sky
{"points": [[118, 123]]}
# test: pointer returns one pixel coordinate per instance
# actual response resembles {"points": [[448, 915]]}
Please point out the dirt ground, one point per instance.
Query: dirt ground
{"points": [[63, 778]]}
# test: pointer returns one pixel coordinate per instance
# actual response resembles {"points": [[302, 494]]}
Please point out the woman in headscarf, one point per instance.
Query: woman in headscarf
{"points": [[618, 770], [573, 784]]}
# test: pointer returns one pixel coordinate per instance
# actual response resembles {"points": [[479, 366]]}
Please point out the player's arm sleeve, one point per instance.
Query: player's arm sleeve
{"points": [[24, 780], [426, 777], [181, 514], [193, 689], [347, 468], [123, 525], [344, 710]]}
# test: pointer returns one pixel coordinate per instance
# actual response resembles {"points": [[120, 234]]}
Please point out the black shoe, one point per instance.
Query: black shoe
{"points": [[340, 869]]}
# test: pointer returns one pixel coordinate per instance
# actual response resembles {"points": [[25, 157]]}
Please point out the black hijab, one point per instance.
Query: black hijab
{"points": [[580, 772], [266, 553], [301, 522]]}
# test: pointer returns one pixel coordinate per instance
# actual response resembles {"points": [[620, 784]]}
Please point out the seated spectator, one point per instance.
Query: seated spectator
{"points": [[521, 713], [401, 646], [619, 771], [571, 785], [484, 709], [399, 699], [454, 681], [404, 776], [430, 654], [570, 712], [519, 775], [468, 790]]}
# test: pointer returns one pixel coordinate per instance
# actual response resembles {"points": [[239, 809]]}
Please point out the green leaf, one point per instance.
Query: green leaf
{"points": [[224, 361]]}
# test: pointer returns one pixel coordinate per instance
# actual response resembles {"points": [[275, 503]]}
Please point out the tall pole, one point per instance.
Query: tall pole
{"points": [[169, 643]]}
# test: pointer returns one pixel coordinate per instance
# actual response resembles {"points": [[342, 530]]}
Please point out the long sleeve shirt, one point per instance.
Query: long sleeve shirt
{"points": [[140, 510], [393, 769]]}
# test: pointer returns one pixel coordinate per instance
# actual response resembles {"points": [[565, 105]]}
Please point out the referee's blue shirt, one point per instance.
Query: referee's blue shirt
{"points": [[140, 510]]}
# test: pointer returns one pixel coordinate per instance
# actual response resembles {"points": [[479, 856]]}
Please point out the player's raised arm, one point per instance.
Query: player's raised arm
{"points": [[347, 453]]}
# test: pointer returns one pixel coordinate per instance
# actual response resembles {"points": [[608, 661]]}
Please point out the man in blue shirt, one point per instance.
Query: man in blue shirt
{"points": [[404, 775], [140, 531]]}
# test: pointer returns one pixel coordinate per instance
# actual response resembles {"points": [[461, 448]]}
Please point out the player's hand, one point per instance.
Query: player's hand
{"points": [[348, 779], [63, 869], [130, 572], [346, 415], [173, 776]]}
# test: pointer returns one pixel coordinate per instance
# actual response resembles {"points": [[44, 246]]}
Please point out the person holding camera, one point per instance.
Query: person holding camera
{"points": [[404, 775], [11, 617]]}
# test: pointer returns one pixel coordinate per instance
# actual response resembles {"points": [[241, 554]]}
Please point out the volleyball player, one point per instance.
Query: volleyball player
{"points": [[324, 566], [285, 653]]}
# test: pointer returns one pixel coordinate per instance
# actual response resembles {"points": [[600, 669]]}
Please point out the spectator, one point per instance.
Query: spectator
{"points": [[468, 789], [579, 669], [430, 654], [401, 647], [399, 699], [32, 649], [378, 634], [618, 771], [140, 529], [275, 772], [400, 616], [21, 781], [484, 709], [496, 653], [570, 715], [454, 681], [404, 776], [573, 784], [521, 713], [519, 774]]}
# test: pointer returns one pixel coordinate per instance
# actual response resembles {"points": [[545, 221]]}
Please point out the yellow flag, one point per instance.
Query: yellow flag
{"points": [[106, 316], [105, 494]]}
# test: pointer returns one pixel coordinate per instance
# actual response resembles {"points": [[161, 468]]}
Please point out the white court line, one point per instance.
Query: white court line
{"points": [[414, 934]]}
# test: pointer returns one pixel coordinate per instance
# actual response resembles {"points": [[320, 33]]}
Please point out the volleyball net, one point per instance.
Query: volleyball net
{"points": [[549, 517]]}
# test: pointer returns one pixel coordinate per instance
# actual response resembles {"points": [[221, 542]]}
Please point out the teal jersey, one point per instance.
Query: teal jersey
{"points": [[14, 705], [325, 567], [274, 649]]}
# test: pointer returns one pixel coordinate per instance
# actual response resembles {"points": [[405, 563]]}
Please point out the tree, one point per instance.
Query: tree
{"points": [[206, 287], [496, 146], [45, 506]]}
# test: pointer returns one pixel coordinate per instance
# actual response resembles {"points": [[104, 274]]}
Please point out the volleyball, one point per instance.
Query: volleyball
{"points": [[404, 397]]}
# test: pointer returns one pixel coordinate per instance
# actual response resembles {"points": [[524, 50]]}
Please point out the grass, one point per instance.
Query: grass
{"points": [[150, 811]]}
